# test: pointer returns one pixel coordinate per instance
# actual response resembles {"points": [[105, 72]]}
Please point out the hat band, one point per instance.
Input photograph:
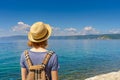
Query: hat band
{"points": [[42, 37]]}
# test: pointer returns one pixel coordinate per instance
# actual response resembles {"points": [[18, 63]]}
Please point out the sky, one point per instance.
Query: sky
{"points": [[66, 17]]}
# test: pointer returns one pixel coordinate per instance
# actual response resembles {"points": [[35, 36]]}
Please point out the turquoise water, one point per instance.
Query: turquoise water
{"points": [[78, 59]]}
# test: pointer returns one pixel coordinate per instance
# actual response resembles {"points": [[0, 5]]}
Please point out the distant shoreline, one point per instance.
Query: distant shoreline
{"points": [[74, 37]]}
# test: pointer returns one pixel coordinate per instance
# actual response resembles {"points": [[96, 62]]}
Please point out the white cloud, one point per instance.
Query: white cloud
{"points": [[21, 27], [71, 29], [20, 22], [55, 28], [114, 31], [89, 30], [74, 31], [5, 32], [57, 31]]}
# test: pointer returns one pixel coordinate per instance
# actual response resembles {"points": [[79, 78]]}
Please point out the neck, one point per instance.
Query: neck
{"points": [[38, 49]]}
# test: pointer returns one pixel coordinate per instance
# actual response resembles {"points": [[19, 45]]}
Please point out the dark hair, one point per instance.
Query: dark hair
{"points": [[42, 44]]}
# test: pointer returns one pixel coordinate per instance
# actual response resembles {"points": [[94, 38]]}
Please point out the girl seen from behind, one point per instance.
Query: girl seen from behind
{"points": [[38, 41]]}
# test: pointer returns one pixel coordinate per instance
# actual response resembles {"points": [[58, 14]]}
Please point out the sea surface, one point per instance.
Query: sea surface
{"points": [[78, 59]]}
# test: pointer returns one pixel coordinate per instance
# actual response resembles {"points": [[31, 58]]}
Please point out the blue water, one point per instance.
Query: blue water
{"points": [[78, 59]]}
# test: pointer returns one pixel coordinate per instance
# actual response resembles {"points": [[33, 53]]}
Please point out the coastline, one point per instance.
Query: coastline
{"points": [[107, 76]]}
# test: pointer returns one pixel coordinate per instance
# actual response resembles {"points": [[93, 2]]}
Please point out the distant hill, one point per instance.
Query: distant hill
{"points": [[101, 36], [17, 37]]}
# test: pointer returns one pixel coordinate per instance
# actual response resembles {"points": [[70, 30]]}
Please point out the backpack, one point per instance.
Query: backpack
{"points": [[37, 72]]}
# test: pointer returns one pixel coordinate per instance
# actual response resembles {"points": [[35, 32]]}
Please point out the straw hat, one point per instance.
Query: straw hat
{"points": [[39, 32]]}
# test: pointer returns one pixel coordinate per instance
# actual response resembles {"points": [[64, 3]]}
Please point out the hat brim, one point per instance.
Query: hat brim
{"points": [[49, 31]]}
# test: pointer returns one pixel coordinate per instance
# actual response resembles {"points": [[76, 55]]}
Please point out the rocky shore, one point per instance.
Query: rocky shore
{"points": [[108, 76]]}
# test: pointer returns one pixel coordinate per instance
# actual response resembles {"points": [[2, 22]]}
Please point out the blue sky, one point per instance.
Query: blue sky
{"points": [[67, 17]]}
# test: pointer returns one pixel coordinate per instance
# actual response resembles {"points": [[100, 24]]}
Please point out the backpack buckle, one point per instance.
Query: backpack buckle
{"points": [[50, 52], [26, 56]]}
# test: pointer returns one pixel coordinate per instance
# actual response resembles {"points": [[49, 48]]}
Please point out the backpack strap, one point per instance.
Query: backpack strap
{"points": [[47, 57], [27, 57], [44, 62]]}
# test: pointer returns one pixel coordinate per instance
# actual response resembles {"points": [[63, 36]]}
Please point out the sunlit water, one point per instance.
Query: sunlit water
{"points": [[78, 59]]}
